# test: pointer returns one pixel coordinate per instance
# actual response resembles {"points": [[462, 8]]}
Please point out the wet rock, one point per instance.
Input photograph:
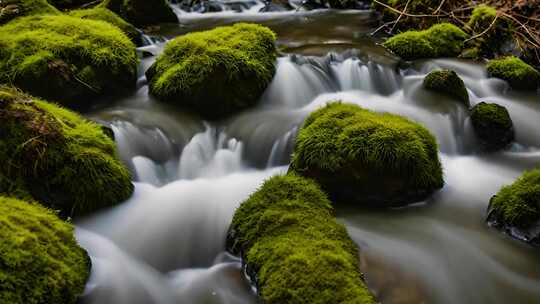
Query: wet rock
{"points": [[492, 125], [517, 73], [447, 82]]}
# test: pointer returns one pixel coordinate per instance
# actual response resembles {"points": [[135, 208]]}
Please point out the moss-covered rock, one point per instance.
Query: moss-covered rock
{"points": [[492, 31], [216, 72], [516, 208], [367, 158], [103, 14], [142, 12], [517, 73], [11, 9], [62, 160], [447, 82], [492, 125], [66, 59], [295, 251], [441, 40], [40, 259]]}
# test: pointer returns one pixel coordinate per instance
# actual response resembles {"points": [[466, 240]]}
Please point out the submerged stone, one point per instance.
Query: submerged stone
{"points": [[449, 83], [492, 126], [515, 209], [215, 73], [41, 260], [367, 158], [293, 248], [142, 12], [441, 40], [517, 73], [56, 157], [66, 59]]}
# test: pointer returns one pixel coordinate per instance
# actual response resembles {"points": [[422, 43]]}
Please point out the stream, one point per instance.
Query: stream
{"points": [[166, 244]]}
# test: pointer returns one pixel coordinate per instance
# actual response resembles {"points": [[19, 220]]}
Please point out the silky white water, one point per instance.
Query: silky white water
{"points": [[166, 244]]}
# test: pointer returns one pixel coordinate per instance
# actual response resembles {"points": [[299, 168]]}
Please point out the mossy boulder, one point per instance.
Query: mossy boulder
{"points": [[492, 126], [293, 248], [441, 40], [517, 73], [449, 83], [66, 59], [367, 158], [40, 259], [515, 209], [103, 14], [11, 9], [217, 72], [492, 31], [57, 157], [142, 12]]}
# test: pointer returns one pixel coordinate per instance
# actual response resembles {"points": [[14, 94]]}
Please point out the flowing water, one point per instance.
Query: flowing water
{"points": [[166, 243]]}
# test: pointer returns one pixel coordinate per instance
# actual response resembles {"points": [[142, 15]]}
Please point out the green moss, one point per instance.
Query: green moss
{"points": [[441, 40], [66, 59], [493, 31], [293, 247], [103, 14], [518, 204], [215, 72], [40, 260], [70, 4], [517, 73], [12, 9], [359, 156], [447, 82], [64, 161], [142, 12], [492, 125]]}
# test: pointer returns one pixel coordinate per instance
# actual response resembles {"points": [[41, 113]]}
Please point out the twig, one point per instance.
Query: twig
{"points": [[400, 15], [486, 30], [400, 12]]}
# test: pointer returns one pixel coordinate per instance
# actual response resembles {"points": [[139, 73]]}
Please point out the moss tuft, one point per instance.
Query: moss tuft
{"points": [[359, 156], [517, 73], [295, 251], [62, 160], [447, 82], [142, 12], [40, 259], [103, 14], [493, 31], [492, 125], [441, 40], [63, 58], [518, 204], [216, 72]]}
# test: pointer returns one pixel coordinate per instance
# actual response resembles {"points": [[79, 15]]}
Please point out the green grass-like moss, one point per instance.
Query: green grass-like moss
{"points": [[447, 82], [40, 260], [518, 204], [517, 73], [62, 160], [103, 14], [215, 72], [440, 40], [492, 125], [142, 12], [359, 156], [12, 9], [294, 249], [485, 17], [66, 59]]}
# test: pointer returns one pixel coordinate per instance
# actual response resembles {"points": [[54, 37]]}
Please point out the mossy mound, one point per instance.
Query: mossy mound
{"points": [[142, 12], [40, 259], [216, 72], [517, 73], [441, 40], [368, 158], [66, 59], [62, 160], [295, 251], [493, 31], [447, 82], [70, 4], [516, 208], [103, 14], [11, 9], [492, 125]]}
